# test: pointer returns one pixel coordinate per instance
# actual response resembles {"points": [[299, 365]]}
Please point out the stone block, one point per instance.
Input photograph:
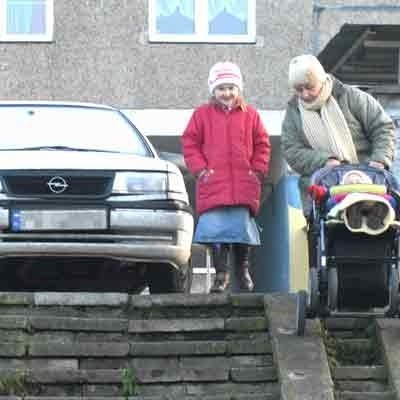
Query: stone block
{"points": [[169, 391], [252, 360], [13, 335], [232, 388], [13, 322], [12, 349], [203, 362], [218, 373], [254, 374], [176, 325], [39, 363], [80, 299], [247, 300], [157, 375], [258, 346], [16, 298], [246, 324], [138, 363], [78, 349], [79, 324], [177, 348]]}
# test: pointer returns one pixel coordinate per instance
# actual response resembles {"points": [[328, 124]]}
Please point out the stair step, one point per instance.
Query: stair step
{"points": [[347, 323], [377, 372], [238, 396], [347, 395], [361, 385], [245, 396], [220, 373]]}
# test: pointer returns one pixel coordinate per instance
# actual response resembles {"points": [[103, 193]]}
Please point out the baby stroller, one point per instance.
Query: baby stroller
{"points": [[353, 244]]}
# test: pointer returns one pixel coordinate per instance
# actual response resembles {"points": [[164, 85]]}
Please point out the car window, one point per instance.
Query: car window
{"points": [[66, 126]]}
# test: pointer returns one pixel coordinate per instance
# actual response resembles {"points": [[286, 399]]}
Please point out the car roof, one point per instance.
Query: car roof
{"points": [[55, 103]]}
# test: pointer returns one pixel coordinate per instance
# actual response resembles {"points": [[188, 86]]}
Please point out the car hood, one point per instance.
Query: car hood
{"points": [[78, 160]]}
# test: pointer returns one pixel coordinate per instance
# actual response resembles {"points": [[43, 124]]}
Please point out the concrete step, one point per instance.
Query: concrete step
{"points": [[246, 396], [345, 395], [360, 372], [361, 385], [348, 323], [57, 345]]}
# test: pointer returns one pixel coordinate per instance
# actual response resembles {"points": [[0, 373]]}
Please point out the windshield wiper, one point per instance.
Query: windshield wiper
{"points": [[58, 148]]}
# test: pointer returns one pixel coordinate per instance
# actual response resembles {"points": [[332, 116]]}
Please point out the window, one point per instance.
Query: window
{"points": [[202, 21], [26, 20]]}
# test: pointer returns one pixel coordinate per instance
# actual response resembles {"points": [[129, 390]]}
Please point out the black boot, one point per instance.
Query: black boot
{"points": [[220, 259], [242, 267]]}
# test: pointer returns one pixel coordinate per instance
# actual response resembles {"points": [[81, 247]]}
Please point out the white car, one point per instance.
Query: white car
{"points": [[87, 204]]}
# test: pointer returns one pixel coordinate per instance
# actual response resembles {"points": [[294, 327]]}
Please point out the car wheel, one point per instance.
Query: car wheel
{"points": [[167, 279]]}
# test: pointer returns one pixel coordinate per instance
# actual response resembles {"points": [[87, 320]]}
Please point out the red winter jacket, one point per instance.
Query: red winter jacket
{"points": [[232, 146]]}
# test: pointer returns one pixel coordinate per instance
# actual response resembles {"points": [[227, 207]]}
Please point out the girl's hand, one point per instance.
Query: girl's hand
{"points": [[201, 173], [259, 175], [376, 164], [205, 173]]}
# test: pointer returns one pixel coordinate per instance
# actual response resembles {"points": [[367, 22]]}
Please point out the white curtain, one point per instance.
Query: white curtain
{"points": [[26, 16], [167, 7], [236, 8]]}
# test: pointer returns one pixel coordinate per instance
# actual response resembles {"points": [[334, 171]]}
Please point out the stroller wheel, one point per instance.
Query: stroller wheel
{"points": [[313, 292], [393, 292], [301, 311], [332, 288]]}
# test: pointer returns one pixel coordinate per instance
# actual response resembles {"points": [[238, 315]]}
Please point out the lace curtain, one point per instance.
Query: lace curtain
{"points": [[224, 16], [26, 16]]}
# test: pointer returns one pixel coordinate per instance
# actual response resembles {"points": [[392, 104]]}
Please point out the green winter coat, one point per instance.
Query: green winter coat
{"points": [[372, 130]]}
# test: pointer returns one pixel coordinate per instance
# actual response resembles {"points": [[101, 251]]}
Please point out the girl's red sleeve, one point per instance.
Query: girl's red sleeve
{"points": [[262, 147], [192, 140]]}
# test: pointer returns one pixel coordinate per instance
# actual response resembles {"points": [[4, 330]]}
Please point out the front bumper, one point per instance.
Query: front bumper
{"points": [[137, 235]]}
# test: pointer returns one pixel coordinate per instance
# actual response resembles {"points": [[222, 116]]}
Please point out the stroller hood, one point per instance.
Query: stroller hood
{"points": [[332, 176]]}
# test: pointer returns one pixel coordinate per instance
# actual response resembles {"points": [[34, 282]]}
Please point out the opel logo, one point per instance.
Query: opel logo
{"points": [[57, 184]]}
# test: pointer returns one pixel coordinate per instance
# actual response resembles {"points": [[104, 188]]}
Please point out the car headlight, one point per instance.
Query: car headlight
{"points": [[139, 182], [176, 183]]}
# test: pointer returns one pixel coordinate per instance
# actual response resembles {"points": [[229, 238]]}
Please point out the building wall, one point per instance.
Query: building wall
{"points": [[101, 53]]}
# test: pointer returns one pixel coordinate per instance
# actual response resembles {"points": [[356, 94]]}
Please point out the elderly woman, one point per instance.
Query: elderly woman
{"points": [[328, 123]]}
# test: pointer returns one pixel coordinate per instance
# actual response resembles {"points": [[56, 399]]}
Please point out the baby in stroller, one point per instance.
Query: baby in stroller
{"points": [[362, 197], [353, 240]]}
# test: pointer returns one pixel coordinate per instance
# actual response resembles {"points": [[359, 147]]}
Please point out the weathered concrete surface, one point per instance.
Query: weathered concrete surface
{"points": [[181, 347], [302, 363], [388, 332]]}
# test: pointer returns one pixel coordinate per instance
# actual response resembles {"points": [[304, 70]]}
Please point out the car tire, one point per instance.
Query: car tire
{"points": [[167, 279]]}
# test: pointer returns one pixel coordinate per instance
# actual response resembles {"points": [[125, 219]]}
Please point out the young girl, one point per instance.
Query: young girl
{"points": [[227, 148]]}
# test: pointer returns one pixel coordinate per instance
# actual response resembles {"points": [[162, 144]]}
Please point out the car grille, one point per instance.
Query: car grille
{"points": [[59, 185]]}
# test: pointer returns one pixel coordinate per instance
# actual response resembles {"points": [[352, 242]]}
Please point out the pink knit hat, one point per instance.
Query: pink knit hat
{"points": [[224, 72]]}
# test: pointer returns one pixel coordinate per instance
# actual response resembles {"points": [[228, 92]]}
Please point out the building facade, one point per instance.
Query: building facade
{"points": [[108, 50]]}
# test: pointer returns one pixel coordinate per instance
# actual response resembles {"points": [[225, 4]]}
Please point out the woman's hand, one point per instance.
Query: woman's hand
{"points": [[376, 164]]}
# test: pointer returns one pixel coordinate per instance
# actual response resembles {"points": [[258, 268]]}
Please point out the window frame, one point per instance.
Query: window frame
{"points": [[27, 37], [201, 27]]}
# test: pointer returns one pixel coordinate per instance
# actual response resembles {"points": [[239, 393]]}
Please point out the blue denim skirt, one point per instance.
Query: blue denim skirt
{"points": [[227, 225]]}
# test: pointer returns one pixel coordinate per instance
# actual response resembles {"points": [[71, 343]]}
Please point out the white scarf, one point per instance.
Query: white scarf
{"points": [[325, 126]]}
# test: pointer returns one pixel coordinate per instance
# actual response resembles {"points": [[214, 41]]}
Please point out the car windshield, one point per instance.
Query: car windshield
{"points": [[68, 127]]}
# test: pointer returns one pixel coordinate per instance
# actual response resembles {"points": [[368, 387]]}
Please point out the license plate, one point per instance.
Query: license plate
{"points": [[58, 220]]}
